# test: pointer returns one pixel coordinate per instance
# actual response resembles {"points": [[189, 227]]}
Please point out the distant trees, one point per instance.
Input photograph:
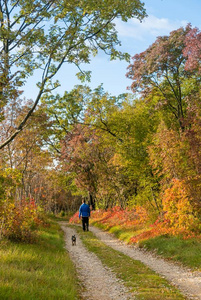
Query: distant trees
{"points": [[141, 150], [106, 149], [146, 151]]}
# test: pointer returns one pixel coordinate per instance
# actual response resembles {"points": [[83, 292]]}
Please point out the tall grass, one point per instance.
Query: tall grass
{"points": [[37, 271]]}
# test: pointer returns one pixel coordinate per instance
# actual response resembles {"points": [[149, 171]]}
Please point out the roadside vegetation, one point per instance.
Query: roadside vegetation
{"points": [[187, 252], [133, 227], [41, 270], [143, 282]]}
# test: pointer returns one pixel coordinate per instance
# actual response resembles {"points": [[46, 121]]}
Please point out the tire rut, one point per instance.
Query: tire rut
{"points": [[99, 282], [188, 282]]}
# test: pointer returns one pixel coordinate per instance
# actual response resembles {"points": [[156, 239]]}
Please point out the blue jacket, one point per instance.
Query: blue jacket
{"points": [[84, 210]]}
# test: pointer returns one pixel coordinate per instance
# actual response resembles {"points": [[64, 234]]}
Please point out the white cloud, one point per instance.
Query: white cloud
{"points": [[149, 26]]}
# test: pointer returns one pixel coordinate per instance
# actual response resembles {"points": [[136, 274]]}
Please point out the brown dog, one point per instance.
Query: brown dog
{"points": [[73, 240]]}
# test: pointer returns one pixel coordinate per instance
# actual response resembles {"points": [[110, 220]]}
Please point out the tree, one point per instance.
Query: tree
{"points": [[63, 112], [87, 155], [83, 106], [78, 159], [192, 50], [106, 149], [160, 71], [43, 35], [26, 154]]}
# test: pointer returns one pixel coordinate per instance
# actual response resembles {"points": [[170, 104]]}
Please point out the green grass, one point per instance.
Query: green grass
{"points": [[37, 271], [142, 281], [188, 252], [124, 234]]}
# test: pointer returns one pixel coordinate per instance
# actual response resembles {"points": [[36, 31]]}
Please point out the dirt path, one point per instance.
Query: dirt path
{"points": [[101, 283], [187, 282]]}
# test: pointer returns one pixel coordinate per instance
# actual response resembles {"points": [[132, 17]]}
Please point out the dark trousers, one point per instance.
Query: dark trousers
{"points": [[85, 223]]}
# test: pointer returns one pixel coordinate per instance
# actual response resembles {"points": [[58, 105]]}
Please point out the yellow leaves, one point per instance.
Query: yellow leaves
{"points": [[178, 209], [20, 219], [13, 174], [116, 160]]}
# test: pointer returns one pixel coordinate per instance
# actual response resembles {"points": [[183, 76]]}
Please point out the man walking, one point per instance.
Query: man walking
{"points": [[84, 212]]}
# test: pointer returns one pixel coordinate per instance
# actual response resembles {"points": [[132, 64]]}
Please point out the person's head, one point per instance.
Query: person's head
{"points": [[83, 201]]}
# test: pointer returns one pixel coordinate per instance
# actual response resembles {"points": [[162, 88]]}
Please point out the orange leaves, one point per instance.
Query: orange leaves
{"points": [[177, 217], [178, 209], [147, 234], [20, 219], [75, 218], [126, 218]]}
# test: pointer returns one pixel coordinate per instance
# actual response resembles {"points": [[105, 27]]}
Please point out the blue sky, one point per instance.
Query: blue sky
{"points": [[163, 17]]}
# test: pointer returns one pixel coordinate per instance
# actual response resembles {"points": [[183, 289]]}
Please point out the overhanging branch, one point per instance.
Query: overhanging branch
{"points": [[21, 125]]}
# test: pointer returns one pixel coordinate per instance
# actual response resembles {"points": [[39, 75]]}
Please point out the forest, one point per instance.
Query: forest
{"points": [[136, 155]]}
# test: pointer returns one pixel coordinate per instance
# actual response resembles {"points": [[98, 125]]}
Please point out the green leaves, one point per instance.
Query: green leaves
{"points": [[84, 76], [45, 34]]}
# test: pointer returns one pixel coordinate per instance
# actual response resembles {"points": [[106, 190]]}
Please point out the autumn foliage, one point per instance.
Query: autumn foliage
{"points": [[117, 216], [178, 210], [136, 159], [19, 220], [177, 220], [156, 154]]}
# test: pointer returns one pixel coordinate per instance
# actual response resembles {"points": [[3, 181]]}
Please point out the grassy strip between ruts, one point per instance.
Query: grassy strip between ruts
{"points": [[38, 271], [145, 283], [187, 252]]}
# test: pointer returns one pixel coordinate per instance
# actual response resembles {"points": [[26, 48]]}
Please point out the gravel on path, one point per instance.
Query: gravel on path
{"points": [[188, 282], [99, 282]]}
